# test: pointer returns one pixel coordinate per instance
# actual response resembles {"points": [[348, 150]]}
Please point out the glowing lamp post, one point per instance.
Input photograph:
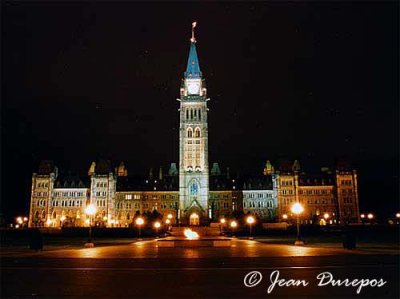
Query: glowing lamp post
{"points": [[285, 216], [370, 216], [157, 226], [19, 221], [297, 209], [62, 219], [326, 217], [168, 223], [90, 210], [250, 221], [221, 224], [139, 222], [233, 226]]}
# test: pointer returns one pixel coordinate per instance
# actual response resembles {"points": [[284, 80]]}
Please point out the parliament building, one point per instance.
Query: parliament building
{"points": [[192, 192]]}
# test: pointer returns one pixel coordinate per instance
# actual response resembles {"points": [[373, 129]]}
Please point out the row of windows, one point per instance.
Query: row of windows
{"points": [[42, 185], [348, 200], [197, 133], [287, 192], [287, 201], [347, 191], [41, 203], [101, 203], [145, 197], [191, 142], [257, 195], [225, 205], [67, 203], [287, 183], [135, 196], [163, 205], [101, 185], [193, 114], [320, 201], [315, 192], [69, 194], [259, 204], [101, 193], [346, 182]]}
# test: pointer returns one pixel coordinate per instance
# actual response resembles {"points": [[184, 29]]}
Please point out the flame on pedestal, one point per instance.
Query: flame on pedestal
{"points": [[191, 235]]}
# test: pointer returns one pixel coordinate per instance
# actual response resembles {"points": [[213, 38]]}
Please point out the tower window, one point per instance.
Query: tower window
{"points": [[190, 133], [197, 133], [194, 188]]}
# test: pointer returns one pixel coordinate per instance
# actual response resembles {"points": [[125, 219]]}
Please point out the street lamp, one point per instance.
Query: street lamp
{"points": [[139, 222], [221, 224], [90, 210], [370, 216], [250, 220], [397, 215], [297, 209], [168, 223], [157, 225], [284, 216], [233, 226], [62, 219]]}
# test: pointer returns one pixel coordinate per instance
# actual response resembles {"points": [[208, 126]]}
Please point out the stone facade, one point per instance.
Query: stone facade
{"points": [[193, 144], [61, 201], [194, 194]]}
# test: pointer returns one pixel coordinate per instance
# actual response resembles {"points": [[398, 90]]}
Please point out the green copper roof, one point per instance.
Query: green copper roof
{"points": [[193, 67]]}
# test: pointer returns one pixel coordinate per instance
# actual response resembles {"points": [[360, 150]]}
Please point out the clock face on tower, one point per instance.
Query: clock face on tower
{"points": [[193, 88]]}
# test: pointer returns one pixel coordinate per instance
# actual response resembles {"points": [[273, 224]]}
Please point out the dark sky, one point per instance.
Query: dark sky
{"points": [[311, 81]]}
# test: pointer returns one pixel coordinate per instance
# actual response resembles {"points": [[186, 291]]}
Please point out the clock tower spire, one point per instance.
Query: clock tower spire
{"points": [[193, 143]]}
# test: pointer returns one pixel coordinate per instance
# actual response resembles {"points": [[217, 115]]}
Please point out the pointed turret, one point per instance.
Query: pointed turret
{"points": [[193, 67]]}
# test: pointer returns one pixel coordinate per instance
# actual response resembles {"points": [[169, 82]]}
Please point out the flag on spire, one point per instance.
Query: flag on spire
{"points": [[193, 40]]}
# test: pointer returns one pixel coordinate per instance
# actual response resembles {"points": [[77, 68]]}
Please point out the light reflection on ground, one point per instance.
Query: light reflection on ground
{"points": [[239, 248]]}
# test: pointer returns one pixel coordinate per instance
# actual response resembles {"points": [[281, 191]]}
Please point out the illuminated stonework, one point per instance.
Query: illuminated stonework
{"points": [[193, 143]]}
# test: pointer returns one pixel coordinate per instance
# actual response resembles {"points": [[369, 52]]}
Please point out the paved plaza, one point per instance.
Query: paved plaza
{"points": [[141, 269]]}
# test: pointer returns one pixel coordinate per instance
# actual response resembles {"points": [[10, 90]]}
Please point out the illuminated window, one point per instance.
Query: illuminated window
{"points": [[194, 188]]}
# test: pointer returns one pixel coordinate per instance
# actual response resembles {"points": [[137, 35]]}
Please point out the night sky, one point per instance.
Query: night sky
{"points": [[308, 81]]}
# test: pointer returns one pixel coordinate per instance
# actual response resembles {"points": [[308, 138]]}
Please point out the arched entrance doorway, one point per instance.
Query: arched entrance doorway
{"points": [[194, 219]]}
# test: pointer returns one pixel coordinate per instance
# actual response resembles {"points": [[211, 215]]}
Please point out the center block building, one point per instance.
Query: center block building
{"points": [[191, 192]]}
